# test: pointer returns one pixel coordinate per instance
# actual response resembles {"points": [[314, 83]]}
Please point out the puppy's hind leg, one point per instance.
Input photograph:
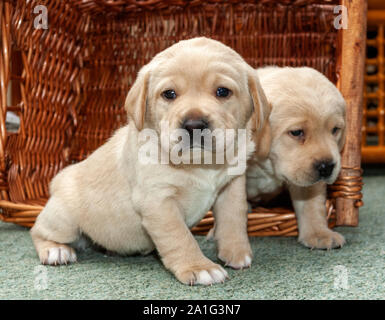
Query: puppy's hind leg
{"points": [[54, 229]]}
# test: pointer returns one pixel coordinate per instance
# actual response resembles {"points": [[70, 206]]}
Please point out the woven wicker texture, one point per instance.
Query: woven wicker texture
{"points": [[69, 81]]}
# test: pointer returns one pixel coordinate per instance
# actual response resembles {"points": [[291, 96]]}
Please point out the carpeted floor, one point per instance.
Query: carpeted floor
{"points": [[282, 269]]}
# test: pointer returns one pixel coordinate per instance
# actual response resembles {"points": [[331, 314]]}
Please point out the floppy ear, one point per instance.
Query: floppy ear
{"points": [[263, 141], [260, 118], [341, 142], [136, 99]]}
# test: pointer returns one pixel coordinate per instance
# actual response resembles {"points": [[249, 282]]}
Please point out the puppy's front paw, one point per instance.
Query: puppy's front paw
{"points": [[206, 274], [57, 255], [323, 239], [236, 257]]}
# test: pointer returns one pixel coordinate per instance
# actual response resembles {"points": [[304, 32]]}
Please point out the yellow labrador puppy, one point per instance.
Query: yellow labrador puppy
{"points": [[308, 124], [128, 204]]}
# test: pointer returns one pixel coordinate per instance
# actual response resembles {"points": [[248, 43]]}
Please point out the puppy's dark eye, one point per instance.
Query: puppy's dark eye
{"points": [[223, 92], [335, 130], [297, 133], [169, 94]]}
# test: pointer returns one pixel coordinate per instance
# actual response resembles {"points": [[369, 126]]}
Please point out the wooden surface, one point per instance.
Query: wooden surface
{"points": [[5, 75], [351, 86], [376, 16], [373, 154], [376, 4], [373, 120]]}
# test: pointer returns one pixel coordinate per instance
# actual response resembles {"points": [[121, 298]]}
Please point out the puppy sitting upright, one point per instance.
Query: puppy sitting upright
{"points": [[307, 124], [128, 205]]}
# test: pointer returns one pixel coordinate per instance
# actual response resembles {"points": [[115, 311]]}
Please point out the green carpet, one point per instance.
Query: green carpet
{"points": [[282, 268]]}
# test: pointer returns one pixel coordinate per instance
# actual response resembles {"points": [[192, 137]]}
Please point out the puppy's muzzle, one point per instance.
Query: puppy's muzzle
{"points": [[195, 129], [324, 168], [197, 124]]}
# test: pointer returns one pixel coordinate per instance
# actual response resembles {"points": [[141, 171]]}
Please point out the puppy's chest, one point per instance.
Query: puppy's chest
{"points": [[261, 180], [200, 195]]}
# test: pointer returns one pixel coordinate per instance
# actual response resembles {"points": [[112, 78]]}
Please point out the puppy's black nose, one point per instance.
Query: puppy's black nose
{"points": [[324, 168], [191, 124]]}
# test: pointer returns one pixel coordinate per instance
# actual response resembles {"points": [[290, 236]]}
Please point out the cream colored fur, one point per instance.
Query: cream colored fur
{"points": [[301, 99], [128, 207]]}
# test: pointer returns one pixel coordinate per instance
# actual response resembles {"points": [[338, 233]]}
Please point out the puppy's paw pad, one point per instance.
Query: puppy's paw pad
{"points": [[323, 240], [58, 255], [205, 276]]}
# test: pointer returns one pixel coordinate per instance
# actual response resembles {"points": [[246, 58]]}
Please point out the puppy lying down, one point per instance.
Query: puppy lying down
{"points": [[127, 205], [307, 123]]}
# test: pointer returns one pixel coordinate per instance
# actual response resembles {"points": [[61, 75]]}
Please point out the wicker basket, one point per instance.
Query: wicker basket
{"points": [[67, 83], [373, 126]]}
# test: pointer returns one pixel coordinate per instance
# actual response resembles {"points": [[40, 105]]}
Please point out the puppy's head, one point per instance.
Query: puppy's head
{"points": [[196, 84], [307, 123]]}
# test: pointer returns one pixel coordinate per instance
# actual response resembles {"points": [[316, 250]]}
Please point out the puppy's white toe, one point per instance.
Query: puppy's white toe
{"points": [[204, 278], [236, 257], [219, 275], [322, 239], [207, 277], [247, 262], [244, 262], [60, 255], [206, 274]]}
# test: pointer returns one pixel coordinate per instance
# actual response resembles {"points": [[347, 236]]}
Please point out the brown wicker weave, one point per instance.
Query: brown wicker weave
{"points": [[68, 82]]}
